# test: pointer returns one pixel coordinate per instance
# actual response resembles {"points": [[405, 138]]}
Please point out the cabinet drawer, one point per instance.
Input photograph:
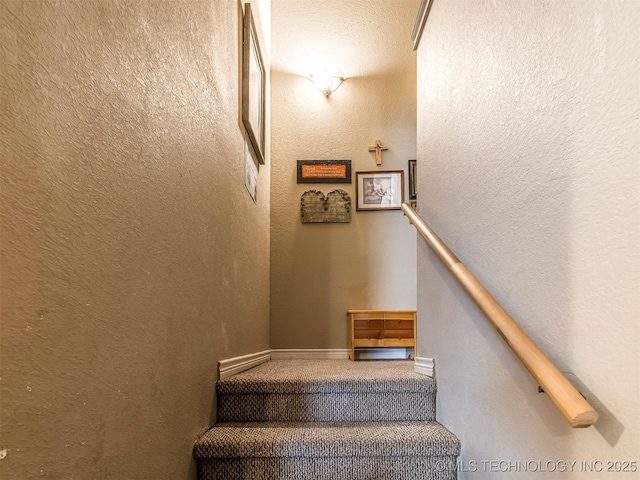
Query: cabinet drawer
{"points": [[397, 342], [396, 324], [398, 333], [368, 325], [368, 328], [367, 334], [368, 342]]}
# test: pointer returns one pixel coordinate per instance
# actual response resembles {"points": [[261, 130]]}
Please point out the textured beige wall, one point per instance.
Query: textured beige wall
{"points": [[529, 151], [319, 271], [132, 256]]}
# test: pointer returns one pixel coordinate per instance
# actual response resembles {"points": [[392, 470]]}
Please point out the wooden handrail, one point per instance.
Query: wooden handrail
{"points": [[569, 401]]}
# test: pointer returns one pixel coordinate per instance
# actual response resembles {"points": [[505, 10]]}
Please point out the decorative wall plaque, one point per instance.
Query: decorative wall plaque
{"points": [[335, 207], [324, 171]]}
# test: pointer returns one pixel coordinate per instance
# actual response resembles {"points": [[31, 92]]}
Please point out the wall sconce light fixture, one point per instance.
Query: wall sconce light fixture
{"points": [[327, 79]]}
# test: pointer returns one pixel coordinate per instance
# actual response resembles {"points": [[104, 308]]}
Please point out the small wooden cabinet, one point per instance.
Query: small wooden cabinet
{"points": [[382, 328]]}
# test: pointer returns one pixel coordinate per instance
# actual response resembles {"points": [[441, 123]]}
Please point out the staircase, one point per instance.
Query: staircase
{"points": [[327, 420]]}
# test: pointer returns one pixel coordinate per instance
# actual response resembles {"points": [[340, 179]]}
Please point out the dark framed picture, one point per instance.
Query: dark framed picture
{"points": [[379, 190], [253, 86], [412, 180], [324, 171]]}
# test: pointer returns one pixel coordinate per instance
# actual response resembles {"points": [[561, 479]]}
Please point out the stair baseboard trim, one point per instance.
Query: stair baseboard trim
{"points": [[310, 353], [424, 366], [231, 366]]}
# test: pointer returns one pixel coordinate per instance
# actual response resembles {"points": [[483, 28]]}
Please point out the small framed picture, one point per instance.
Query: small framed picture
{"points": [[379, 190]]}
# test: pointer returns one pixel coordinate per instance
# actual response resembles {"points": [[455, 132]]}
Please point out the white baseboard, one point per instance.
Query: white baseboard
{"points": [[424, 366], [231, 366], [311, 353]]}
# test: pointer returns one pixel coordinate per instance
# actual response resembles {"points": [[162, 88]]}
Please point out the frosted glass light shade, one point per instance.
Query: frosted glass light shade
{"points": [[327, 79]]}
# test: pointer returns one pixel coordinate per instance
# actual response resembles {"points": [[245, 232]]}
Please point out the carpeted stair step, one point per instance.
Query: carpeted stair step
{"points": [[408, 450], [337, 390]]}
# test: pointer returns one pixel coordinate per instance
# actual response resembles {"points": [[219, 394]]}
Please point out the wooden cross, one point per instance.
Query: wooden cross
{"points": [[378, 148]]}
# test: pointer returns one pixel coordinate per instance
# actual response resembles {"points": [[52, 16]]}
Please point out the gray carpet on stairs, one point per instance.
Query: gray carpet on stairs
{"points": [[318, 376], [327, 419], [326, 439], [334, 390], [356, 468]]}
